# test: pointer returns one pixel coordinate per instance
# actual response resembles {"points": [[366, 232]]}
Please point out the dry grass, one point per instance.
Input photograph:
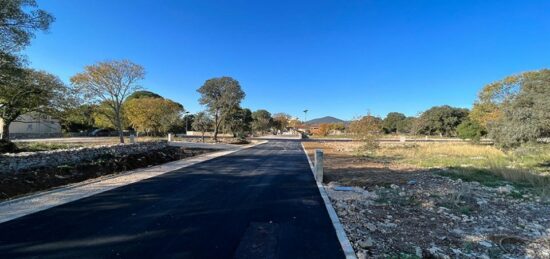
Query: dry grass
{"points": [[528, 167], [430, 155]]}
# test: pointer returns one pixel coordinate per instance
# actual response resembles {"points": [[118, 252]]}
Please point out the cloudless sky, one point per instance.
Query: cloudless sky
{"points": [[338, 58]]}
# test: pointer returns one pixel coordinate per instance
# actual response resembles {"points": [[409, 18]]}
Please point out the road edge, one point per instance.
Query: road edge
{"points": [[340, 232], [35, 202]]}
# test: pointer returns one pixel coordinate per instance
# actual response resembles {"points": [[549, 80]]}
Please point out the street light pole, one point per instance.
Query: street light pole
{"points": [[305, 116], [186, 122]]}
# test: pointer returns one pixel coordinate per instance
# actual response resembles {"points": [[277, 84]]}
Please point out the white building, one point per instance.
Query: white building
{"points": [[33, 126]]}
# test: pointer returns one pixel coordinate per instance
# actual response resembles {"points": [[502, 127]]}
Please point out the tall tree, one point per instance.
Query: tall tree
{"points": [[367, 129], [29, 92], [110, 82], [202, 123], [239, 122], [221, 95], [143, 94], [155, 115], [281, 121], [19, 19], [525, 112], [393, 122], [262, 121], [442, 120], [78, 118]]}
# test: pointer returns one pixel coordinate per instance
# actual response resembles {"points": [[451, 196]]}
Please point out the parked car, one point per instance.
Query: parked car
{"points": [[100, 133]]}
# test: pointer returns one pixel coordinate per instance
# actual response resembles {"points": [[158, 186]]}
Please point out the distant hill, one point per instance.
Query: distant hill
{"points": [[326, 119]]}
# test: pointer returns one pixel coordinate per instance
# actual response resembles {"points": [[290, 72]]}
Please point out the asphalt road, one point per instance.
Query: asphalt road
{"points": [[260, 202]]}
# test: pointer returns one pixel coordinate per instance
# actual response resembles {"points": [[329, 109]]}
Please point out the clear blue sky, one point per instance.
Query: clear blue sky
{"points": [[338, 58]]}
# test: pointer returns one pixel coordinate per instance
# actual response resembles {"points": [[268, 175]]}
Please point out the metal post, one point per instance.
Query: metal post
{"points": [[132, 139], [319, 165], [170, 137]]}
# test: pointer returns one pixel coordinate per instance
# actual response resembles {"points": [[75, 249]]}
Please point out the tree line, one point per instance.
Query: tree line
{"points": [[108, 94], [512, 111]]}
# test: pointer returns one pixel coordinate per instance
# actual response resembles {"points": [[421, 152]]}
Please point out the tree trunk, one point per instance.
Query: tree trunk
{"points": [[119, 126], [6, 130], [216, 125]]}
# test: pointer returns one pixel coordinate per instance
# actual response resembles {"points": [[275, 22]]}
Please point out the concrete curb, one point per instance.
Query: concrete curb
{"points": [[36, 202], [340, 232]]}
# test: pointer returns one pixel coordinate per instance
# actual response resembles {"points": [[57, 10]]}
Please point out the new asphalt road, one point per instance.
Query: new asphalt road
{"points": [[260, 202]]}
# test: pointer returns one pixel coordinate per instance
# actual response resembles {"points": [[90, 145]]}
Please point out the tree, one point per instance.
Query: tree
{"points": [[441, 120], [338, 126], [261, 121], [524, 113], [19, 19], [367, 129], [143, 94], [103, 116], [156, 115], [202, 123], [394, 122], [469, 129], [79, 118], [488, 106], [239, 122], [281, 121], [27, 91], [221, 95], [111, 83], [324, 129]]}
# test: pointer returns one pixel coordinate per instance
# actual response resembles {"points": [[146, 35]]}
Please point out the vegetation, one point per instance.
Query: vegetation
{"points": [[152, 115], [281, 121], [78, 118], [469, 129], [109, 83], [262, 121], [27, 91], [367, 129], [396, 122], [221, 95], [326, 128], [441, 120], [239, 122], [527, 166], [24, 90], [19, 20], [515, 109], [202, 123]]}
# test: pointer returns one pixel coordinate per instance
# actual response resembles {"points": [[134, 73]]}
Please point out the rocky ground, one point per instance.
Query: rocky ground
{"points": [[433, 216], [13, 184]]}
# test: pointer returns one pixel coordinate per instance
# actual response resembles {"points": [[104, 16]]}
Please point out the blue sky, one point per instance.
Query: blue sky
{"points": [[338, 58]]}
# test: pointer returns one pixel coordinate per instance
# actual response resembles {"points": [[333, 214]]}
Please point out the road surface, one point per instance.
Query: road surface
{"points": [[260, 202]]}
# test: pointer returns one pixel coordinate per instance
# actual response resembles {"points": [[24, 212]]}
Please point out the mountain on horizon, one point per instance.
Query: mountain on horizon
{"points": [[326, 119]]}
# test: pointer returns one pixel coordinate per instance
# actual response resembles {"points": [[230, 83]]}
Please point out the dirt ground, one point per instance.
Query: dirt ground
{"points": [[402, 211], [25, 182]]}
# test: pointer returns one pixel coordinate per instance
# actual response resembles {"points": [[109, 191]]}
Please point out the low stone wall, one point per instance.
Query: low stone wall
{"points": [[10, 163]]}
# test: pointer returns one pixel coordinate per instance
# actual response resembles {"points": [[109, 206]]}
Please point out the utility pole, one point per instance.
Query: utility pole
{"points": [[305, 116]]}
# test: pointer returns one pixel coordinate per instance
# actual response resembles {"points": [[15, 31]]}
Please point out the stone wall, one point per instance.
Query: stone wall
{"points": [[10, 163]]}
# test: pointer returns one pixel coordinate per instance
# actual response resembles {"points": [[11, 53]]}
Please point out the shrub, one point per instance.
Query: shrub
{"points": [[7, 146], [470, 130]]}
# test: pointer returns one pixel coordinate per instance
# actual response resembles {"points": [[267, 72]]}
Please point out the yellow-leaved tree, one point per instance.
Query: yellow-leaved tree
{"points": [[152, 115]]}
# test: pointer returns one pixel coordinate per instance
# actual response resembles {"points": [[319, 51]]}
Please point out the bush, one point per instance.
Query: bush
{"points": [[7, 146], [470, 130]]}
